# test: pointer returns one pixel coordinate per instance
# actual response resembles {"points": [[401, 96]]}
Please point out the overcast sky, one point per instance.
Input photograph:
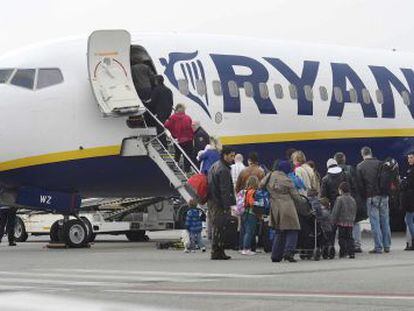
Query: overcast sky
{"points": [[367, 23]]}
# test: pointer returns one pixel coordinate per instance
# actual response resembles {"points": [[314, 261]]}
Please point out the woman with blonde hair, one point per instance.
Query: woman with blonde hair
{"points": [[304, 171]]}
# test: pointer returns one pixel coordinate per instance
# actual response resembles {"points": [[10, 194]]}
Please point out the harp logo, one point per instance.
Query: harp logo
{"points": [[188, 67]]}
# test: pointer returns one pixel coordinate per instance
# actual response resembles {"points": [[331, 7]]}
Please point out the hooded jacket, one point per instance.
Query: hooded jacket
{"points": [[331, 182], [179, 124]]}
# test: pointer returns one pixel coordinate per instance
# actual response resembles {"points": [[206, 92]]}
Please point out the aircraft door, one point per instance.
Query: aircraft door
{"points": [[110, 73]]}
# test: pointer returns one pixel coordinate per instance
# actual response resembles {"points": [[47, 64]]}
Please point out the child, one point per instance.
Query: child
{"points": [[343, 215], [249, 218], [194, 226]]}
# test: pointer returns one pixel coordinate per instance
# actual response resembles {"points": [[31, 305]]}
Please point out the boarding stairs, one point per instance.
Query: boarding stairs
{"points": [[148, 143]]}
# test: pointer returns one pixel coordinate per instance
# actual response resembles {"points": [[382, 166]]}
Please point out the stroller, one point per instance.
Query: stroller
{"points": [[316, 228]]}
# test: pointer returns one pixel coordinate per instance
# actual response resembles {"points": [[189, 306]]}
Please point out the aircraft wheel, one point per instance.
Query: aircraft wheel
{"points": [[20, 233], [75, 233], [56, 232], [90, 235], [136, 236]]}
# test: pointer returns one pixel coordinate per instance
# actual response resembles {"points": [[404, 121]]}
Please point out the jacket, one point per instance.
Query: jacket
{"points": [[367, 177], [407, 191], [251, 170], [220, 186], [207, 159], [283, 214], [201, 139], [142, 75], [236, 169], [193, 221], [308, 176], [179, 124], [330, 185], [161, 102], [344, 211]]}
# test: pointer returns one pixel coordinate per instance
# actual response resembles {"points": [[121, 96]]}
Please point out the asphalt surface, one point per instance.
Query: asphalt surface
{"points": [[118, 275]]}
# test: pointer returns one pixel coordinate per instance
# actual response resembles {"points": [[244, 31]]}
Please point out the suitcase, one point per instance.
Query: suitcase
{"points": [[198, 184], [231, 235]]}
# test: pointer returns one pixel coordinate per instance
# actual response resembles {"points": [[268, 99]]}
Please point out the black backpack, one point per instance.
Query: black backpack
{"points": [[388, 177]]}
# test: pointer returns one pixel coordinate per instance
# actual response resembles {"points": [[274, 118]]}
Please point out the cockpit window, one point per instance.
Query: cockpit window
{"points": [[24, 78], [48, 77], [5, 75]]}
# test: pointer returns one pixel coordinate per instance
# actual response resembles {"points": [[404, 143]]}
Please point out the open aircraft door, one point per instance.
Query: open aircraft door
{"points": [[110, 73]]}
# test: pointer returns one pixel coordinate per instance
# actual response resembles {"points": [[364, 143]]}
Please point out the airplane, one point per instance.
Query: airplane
{"points": [[65, 106]]}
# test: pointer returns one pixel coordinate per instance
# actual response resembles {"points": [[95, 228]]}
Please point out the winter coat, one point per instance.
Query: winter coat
{"points": [[207, 159], [283, 214], [193, 221], [308, 176], [407, 191], [220, 186], [251, 170], [330, 185], [367, 177], [142, 75], [344, 211], [201, 139], [161, 102], [179, 124]]}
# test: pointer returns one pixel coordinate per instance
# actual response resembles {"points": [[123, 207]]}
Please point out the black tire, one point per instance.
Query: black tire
{"points": [[136, 236], [75, 233], [56, 232], [91, 236], [20, 233]]}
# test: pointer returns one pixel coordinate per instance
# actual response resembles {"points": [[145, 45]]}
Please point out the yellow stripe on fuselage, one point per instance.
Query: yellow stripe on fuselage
{"points": [[226, 140], [60, 157]]}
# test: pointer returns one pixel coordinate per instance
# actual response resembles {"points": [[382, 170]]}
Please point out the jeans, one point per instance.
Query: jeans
{"points": [[284, 244], [356, 234], [195, 240], [379, 217], [249, 229], [409, 220]]}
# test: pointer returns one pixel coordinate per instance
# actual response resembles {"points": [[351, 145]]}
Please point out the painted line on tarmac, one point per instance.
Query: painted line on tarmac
{"points": [[325, 295], [65, 283]]}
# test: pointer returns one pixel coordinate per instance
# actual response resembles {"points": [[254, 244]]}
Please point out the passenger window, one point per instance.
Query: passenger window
{"points": [[5, 75], [278, 91], [293, 91], [183, 87], [308, 92], [233, 89], [338, 94], [201, 87], [380, 97], [24, 78], [366, 97], [248, 88], [217, 88], [48, 77], [264, 90], [406, 98], [323, 92], [353, 95]]}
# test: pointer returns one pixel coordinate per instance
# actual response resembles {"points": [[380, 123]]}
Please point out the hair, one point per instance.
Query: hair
{"points": [[252, 182], [312, 193], [344, 187], [215, 143], [289, 153], [312, 164], [180, 108], [238, 158], [226, 151], [299, 156], [253, 157], [340, 158], [411, 153], [366, 151], [324, 202]]}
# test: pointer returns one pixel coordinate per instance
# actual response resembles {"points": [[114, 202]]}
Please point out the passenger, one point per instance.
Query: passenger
{"points": [[179, 124], [377, 204], [194, 227], [161, 105], [201, 138], [8, 222], [350, 172], [237, 167], [283, 215], [142, 75], [249, 218], [304, 171], [312, 164], [343, 216], [209, 155], [253, 169], [289, 153], [221, 200], [407, 198]]}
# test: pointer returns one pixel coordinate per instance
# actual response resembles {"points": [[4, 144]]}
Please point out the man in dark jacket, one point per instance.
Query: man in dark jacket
{"points": [[8, 222], [377, 203], [407, 198], [350, 172], [161, 105], [221, 198], [142, 75], [201, 138]]}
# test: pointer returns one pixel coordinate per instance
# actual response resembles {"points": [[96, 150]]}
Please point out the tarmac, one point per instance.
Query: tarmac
{"points": [[115, 274]]}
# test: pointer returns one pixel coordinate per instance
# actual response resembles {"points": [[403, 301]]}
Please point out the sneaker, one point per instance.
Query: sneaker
{"points": [[248, 252], [375, 251], [203, 249], [387, 249], [352, 256]]}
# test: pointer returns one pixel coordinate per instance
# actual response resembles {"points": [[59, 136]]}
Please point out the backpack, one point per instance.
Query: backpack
{"points": [[199, 185], [388, 177], [240, 206], [262, 201]]}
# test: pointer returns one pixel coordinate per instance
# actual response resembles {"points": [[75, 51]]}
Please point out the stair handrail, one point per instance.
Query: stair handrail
{"points": [[173, 141]]}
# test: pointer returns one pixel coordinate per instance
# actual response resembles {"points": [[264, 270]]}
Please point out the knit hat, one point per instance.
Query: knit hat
{"points": [[285, 167]]}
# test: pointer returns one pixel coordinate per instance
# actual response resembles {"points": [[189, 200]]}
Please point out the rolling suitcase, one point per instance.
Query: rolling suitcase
{"points": [[231, 235]]}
